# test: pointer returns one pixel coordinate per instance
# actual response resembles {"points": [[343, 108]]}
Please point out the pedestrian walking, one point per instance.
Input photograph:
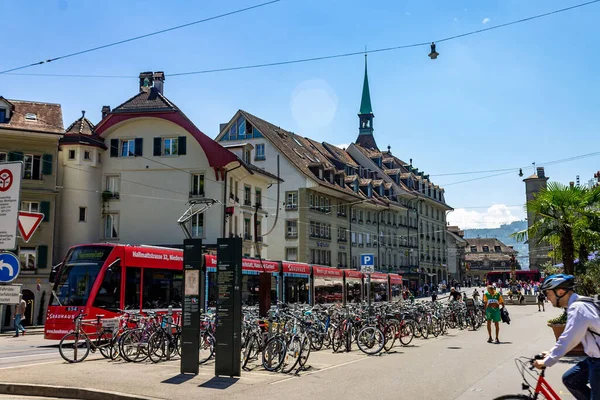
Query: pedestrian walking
{"points": [[540, 301], [492, 301], [19, 315]]}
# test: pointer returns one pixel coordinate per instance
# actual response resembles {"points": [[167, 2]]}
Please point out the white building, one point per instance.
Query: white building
{"points": [[130, 177]]}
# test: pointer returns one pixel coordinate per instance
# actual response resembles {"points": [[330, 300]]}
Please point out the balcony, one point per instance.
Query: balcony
{"points": [[291, 235], [291, 206], [342, 240], [360, 221], [108, 195]]}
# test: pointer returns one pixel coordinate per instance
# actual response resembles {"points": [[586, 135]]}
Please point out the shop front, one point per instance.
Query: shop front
{"points": [[251, 270], [328, 284], [296, 283], [353, 286], [395, 287], [379, 287]]}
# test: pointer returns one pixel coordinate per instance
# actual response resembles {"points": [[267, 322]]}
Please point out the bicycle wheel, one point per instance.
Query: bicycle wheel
{"points": [[156, 347], [104, 343], [390, 336], [407, 333], [316, 340], [273, 353], [337, 340], [370, 340], [424, 330], [305, 351], [514, 397], [292, 354], [74, 347], [251, 350], [115, 346], [133, 346], [207, 347]]}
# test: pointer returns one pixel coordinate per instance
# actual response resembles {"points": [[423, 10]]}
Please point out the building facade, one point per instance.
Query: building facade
{"points": [[483, 255], [29, 132], [337, 203], [129, 178], [456, 245], [538, 252]]}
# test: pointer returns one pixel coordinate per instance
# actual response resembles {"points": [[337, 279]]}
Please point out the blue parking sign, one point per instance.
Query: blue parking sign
{"points": [[367, 262], [9, 267]]}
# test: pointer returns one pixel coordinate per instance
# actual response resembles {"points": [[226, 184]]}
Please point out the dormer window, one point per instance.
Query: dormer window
{"points": [[320, 173], [30, 117], [247, 156]]}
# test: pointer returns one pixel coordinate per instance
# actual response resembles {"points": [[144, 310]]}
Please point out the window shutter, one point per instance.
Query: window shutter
{"points": [[15, 156], [181, 145], [114, 147], [157, 146], [45, 209], [139, 144], [47, 164], [42, 256]]}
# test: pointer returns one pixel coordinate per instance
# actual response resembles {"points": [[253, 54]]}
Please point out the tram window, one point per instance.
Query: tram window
{"points": [[109, 294], [296, 290], [133, 279], [162, 288]]}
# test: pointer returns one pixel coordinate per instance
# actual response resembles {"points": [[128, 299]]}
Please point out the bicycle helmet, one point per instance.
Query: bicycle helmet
{"points": [[558, 281]]}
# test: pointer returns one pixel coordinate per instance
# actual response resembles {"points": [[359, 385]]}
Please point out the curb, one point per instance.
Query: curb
{"points": [[64, 392]]}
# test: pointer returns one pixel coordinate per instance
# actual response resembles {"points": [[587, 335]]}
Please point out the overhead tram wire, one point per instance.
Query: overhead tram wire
{"points": [[302, 60], [142, 36]]}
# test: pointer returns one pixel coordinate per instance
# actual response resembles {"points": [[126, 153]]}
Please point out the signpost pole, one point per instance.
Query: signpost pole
{"points": [[190, 334], [369, 293]]}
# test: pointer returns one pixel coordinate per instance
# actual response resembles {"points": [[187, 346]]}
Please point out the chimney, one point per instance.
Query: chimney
{"points": [[572, 184], [105, 111], [159, 81], [145, 81], [540, 172]]}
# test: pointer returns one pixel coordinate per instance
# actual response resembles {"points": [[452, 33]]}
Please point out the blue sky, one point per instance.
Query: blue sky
{"points": [[501, 99]]}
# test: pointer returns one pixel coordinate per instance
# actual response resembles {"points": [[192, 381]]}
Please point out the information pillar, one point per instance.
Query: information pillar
{"points": [[229, 307], [190, 324]]}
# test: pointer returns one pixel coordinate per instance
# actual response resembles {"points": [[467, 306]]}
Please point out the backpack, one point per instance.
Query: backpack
{"points": [[596, 303]]}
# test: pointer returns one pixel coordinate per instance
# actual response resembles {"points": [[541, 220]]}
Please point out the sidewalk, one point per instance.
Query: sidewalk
{"points": [[35, 330]]}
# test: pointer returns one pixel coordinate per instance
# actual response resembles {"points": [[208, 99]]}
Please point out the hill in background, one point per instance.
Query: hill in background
{"points": [[503, 234]]}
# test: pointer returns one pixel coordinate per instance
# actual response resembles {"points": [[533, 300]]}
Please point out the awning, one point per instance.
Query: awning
{"points": [[324, 272]]}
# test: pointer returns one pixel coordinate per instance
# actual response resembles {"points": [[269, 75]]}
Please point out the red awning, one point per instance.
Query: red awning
{"points": [[327, 272], [296, 268], [395, 279], [378, 276], [353, 274], [254, 265]]}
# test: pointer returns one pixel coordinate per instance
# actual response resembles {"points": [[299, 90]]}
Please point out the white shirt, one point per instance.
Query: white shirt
{"points": [[581, 316]]}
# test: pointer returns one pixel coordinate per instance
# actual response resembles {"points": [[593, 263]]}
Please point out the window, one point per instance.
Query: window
{"points": [[497, 249], [3, 156], [27, 258], [473, 249], [197, 225], [111, 226], [82, 214], [71, 154], [247, 229], [197, 185], [342, 259], [2, 115], [291, 254], [112, 183], [30, 117], [260, 152], [170, 147], [127, 148], [133, 279], [247, 194], [247, 156], [353, 237], [162, 288], [109, 295], [87, 155], [32, 167], [99, 158], [258, 198], [30, 206], [342, 234], [292, 200], [327, 209], [291, 228], [310, 201], [486, 249]]}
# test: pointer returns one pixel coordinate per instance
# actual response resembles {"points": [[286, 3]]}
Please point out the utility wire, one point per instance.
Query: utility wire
{"points": [[303, 60], [142, 36]]}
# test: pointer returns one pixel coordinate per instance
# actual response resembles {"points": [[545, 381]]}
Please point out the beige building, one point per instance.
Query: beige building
{"points": [[129, 178], [29, 132], [483, 255], [456, 245]]}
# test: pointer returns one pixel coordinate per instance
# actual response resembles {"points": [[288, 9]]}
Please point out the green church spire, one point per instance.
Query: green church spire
{"points": [[365, 103]]}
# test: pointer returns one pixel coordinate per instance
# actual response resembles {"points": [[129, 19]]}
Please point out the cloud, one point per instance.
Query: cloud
{"points": [[314, 104], [485, 20], [493, 217]]}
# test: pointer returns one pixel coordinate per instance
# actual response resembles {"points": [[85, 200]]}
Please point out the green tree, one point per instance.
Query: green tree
{"points": [[567, 216]]}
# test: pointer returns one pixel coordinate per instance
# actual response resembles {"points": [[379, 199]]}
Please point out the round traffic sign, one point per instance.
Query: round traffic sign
{"points": [[9, 267], [6, 180]]}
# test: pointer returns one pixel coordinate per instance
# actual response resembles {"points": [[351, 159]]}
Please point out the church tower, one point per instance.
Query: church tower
{"points": [[365, 116]]}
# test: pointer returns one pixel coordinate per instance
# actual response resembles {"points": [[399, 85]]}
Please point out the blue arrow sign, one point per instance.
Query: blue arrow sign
{"points": [[9, 267]]}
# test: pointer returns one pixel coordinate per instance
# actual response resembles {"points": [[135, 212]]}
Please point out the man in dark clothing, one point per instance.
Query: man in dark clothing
{"points": [[454, 295]]}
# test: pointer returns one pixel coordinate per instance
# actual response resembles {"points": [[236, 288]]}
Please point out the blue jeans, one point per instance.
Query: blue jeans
{"points": [[18, 326], [577, 378]]}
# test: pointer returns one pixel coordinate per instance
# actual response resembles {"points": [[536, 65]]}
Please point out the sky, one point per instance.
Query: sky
{"points": [[497, 100]]}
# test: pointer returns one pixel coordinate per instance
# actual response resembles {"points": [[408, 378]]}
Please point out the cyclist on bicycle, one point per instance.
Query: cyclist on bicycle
{"points": [[583, 326]]}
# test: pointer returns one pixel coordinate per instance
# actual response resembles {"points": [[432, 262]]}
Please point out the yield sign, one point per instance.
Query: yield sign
{"points": [[28, 223]]}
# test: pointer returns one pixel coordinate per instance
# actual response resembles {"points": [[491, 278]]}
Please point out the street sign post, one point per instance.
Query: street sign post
{"points": [[10, 191], [367, 266], [192, 297], [9, 267], [28, 224], [9, 294]]}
